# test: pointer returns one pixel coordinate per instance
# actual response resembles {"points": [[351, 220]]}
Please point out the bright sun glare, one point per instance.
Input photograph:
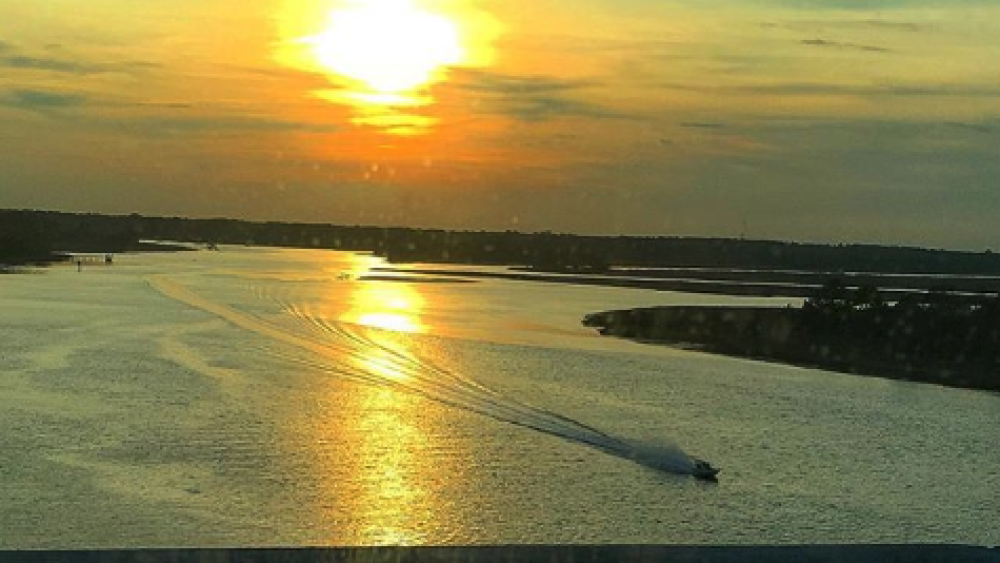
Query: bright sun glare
{"points": [[389, 46]]}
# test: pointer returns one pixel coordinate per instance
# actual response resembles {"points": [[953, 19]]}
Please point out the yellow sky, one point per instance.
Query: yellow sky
{"points": [[826, 120]]}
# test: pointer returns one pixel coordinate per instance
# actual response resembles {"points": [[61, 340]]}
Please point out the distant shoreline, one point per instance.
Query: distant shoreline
{"points": [[410, 279], [22, 265], [891, 344], [731, 287], [39, 231]]}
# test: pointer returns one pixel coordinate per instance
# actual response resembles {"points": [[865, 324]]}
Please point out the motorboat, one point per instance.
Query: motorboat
{"points": [[704, 470]]}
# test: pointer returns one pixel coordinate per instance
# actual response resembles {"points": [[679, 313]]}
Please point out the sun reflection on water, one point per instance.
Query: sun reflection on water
{"points": [[394, 306], [384, 463], [390, 321], [395, 497]]}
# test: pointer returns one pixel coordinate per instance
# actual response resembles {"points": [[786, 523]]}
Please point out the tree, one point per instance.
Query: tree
{"points": [[23, 238]]}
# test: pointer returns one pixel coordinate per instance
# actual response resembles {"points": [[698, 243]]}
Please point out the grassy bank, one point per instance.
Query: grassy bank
{"points": [[930, 339]]}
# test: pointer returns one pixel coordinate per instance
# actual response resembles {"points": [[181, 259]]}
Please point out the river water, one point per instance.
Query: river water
{"points": [[271, 397]]}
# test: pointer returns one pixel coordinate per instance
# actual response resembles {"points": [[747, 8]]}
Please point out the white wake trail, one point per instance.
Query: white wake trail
{"points": [[342, 351]]}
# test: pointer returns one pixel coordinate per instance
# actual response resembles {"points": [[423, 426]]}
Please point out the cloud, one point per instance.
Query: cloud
{"points": [[13, 58], [849, 24], [981, 127], [499, 83], [212, 125], [49, 64], [909, 90], [533, 98], [541, 108], [68, 66], [878, 24], [702, 125], [42, 100], [843, 45], [961, 90], [852, 5], [166, 105], [50, 102]]}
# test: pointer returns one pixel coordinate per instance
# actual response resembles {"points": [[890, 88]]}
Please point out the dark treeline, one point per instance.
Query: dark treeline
{"points": [[549, 251], [933, 337], [24, 239]]}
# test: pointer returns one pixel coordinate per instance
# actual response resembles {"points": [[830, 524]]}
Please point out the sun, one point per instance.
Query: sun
{"points": [[387, 46], [383, 58]]}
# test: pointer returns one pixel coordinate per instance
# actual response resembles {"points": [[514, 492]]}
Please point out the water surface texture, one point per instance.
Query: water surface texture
{"points": [[270, 397]]}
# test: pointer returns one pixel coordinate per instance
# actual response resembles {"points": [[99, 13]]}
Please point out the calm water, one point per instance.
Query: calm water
{"points": [[265, 397]]}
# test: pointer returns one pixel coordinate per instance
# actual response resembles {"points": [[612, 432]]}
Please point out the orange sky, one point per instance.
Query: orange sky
{"points": [[831, 120]]}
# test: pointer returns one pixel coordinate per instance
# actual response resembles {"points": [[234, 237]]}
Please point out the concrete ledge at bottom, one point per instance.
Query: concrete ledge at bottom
{"points": [[507, 554]]}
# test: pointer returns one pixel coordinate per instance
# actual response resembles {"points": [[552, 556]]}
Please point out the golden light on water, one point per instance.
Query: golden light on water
{"points": [[395, 491], [383, 57], [390, 321], [394, 306]]}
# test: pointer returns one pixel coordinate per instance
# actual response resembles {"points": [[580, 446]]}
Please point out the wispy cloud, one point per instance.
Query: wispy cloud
{"points": [[212, 124], [541, 108], [845, 45], [864, 6], [534, 98], [907, 90], [499, 83], [980, 127], [42, 100], [929, 90], [69, 66], [850, 24], [12, 57], [885, 24], [168, 119], [703, 125]]}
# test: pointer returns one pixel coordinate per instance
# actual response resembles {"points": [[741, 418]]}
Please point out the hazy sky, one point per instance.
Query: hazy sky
{"points": [[833, 120]]}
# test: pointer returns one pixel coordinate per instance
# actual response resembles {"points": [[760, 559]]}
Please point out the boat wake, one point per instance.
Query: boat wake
{"points": [[361, 355]]}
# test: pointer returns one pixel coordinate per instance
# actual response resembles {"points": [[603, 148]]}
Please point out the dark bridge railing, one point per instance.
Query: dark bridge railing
{"points": [[510, 554]]}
